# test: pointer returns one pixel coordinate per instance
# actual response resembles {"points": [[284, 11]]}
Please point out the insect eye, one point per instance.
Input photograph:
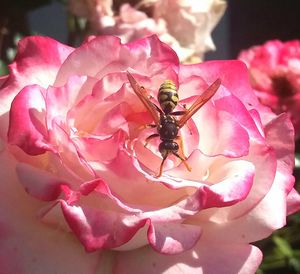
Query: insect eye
{"points": [[175, 146]]}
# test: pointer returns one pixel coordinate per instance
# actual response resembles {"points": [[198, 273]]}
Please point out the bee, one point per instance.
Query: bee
{"points": [[164, 117]]}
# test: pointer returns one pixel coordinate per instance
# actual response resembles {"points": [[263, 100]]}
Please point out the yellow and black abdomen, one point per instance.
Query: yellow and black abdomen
{"points": [[167, 96]]}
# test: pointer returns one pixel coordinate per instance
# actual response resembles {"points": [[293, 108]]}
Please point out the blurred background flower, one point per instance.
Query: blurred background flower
{"points": [[184, 25], [274, 69]]}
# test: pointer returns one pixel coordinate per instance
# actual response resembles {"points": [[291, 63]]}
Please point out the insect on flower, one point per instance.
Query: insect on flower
{"points": [[164, 117]]}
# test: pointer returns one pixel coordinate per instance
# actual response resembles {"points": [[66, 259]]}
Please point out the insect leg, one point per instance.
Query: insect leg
{"points": [[150, 137], [141, 127], [162, 164], [178, 113], [157, 108], [150, 126], [181, 147], [183, 160]]}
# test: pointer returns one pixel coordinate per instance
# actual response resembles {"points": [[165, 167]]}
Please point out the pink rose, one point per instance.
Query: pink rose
{"points": [[78, 192], [93, 10], [185, 25], [191, 22], [275, 73], [131, 24]]}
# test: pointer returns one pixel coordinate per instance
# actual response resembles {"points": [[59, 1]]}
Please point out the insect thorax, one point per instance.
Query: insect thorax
{"points": [[168, 128]]}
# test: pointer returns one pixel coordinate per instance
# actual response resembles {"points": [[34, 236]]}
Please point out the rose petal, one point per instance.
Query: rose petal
{"points": [[88, 223], [280, 135], [59, 101], [37, 62], [233, 75], [103, 149], [234, 139], [204, 258], [99, 229], [170, 238], [241, 230], [293, 202], [72, 159], [39, 183], [262, 182], [121, 172], [27, 245], [89, 58], [27, 127], [223, 182]]}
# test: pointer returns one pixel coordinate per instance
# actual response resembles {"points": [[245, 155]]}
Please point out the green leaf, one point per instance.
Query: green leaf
{"points": [[11, 53], [283, 246], [297, 160], [259, 271], [3, 68], [295, 263], [17, 37]]}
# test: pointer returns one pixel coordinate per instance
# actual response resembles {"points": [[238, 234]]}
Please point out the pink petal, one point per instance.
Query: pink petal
{"points": [[233, 187], [170, 238], [115, 119], [121, 171], [221, 182], [99, 229], [40, 53], [160, 57], [27, 245], [218, 117], [233, 75], [267, 217], [110, 87], [27, 121], [101, 99], [293, 202], [96, 228], [259, 156], [72, 159], [102, 149], [89, 59], [59, 100], [37, 62], [39, 183], [232, 140], [266, 214], [280, 136], [3, 79], [205, 258], [235, 109]]}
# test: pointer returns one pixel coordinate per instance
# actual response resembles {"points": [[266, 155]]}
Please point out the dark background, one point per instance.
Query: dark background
{"points": [[252, 22]]}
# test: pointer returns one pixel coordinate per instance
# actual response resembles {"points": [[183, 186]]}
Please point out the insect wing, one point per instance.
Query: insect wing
{"points": [[202, 99], [142, 94]]}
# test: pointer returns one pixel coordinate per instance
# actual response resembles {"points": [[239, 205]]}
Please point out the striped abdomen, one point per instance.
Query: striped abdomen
{"points": [[167, 96]]}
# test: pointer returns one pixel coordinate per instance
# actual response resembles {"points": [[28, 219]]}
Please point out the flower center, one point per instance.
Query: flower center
{"points": [[282, 86]]}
